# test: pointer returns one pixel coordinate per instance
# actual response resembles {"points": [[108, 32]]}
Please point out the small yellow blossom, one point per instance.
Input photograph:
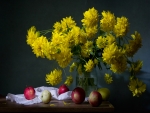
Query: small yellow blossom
{"points": [[108, 21], [54, 77], [64, 57], [69, 80], [80, 69], [39, 46], [112, 53], [89, 66], [32, 35], [73, 66], [136, 66], [137, 87], [134, 44], [122, 26], [108, 78], [90, 17], [65, 103], [101, 42], [119, 66], [52, 105]]}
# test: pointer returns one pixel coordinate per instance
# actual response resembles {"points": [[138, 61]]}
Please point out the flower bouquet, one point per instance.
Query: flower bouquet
{"points": [[102, 41]]}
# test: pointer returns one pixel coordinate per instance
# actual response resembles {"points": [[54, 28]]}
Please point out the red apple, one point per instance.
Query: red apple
{"points": [[29, 93], [95, 98], [62, 89], [78, 95]]}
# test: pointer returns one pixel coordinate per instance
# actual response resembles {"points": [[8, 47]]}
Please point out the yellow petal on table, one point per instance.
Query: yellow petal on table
{"points": [[52, 104], [65, 103]]}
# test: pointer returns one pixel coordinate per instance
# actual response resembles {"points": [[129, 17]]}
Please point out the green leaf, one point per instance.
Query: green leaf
{"points": [[76, 50]]}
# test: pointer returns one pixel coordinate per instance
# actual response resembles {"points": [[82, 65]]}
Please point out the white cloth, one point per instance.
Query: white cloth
{"points": [[20, 99]]}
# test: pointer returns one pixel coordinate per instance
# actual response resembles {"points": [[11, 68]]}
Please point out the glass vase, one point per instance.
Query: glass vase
{"points": [[88, 81]]}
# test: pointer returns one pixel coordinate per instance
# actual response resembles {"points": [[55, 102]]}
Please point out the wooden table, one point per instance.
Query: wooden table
{"points": [[54, 106]]}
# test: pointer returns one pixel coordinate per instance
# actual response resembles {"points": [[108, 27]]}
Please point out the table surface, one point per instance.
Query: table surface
{"points": [[54, 106]]}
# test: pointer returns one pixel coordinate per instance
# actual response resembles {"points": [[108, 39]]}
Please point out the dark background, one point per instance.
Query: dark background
{"points": [[19, 67]]}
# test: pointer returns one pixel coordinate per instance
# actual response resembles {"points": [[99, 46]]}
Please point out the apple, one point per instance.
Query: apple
{"points": [[95, 98], [105, 92], [29, 92], [46, 96], [78, 95], [62, 89]]}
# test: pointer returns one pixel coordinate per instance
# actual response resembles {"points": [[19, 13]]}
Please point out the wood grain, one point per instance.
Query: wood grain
{"points": [[54, 106]]}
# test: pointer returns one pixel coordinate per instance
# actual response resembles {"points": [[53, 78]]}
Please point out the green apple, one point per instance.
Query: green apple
{"points": [[105, 92], [46, 96]]}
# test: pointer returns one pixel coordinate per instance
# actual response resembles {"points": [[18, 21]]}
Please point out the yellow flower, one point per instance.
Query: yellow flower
{"points": [[80, 69], [86, 49], [134, 44], [73, 66], [32, 35], [67, 22], [91, 17], [108, 21], [112, 53], [110, 39], [91, 31], [137, 87], [64, 57], [39, 46], [89, 66], [108, 78], [136, 66], [119, 66], [69, 80], [101, 42], [122, 26], [63, 26], [54, 77]]}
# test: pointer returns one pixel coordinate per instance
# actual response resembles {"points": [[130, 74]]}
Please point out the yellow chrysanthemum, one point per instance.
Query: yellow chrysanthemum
{"points": [[72, 38], [119, 66], [73, 66], [122, 27], [110, 39], [69, 80], [50, 51], [112, 53], [57, 27], [108, 21], [64, 57], [39, 46], [137, 87], [134, 44], [67, 23], [136, 66], [57, 39], [54, 77], [89, 66], [101, 42], [91, 31], [91, 17], [86, 49], [32, 35], [80, 69], [108, 78]]}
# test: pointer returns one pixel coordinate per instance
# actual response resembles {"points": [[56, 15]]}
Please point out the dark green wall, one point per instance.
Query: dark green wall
{"points": [[20, 68]]}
